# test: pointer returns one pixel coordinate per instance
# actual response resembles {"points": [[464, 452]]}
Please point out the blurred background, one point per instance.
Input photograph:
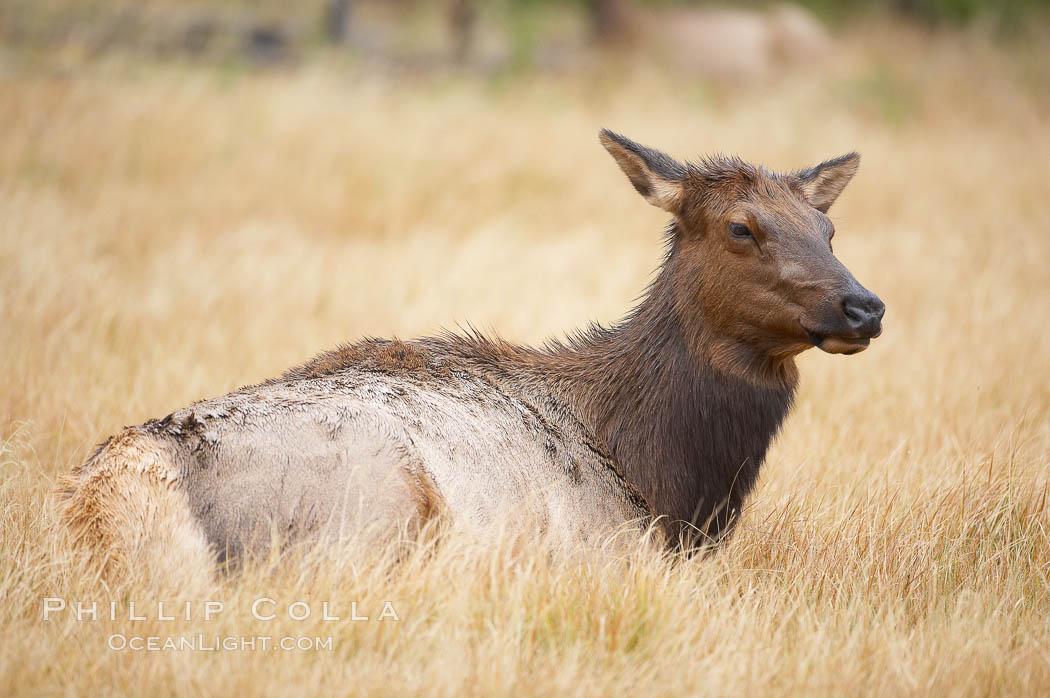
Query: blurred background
{"points": [[490, 37]]}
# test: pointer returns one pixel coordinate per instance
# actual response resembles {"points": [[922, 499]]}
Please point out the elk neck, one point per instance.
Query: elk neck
{"points": [[689, 436]]}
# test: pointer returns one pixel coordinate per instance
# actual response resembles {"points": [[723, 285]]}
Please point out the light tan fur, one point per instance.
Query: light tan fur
{"points": [[125, 503]]}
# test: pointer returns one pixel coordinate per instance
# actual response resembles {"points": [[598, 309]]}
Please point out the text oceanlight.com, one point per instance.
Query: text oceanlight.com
{"points": [[217, 643]]}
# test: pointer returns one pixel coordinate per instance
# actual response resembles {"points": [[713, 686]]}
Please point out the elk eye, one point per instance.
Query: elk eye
{"points": [[740, 231]]}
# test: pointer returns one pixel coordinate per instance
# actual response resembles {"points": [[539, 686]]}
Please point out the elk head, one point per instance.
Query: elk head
{"points": [[751, 273]]}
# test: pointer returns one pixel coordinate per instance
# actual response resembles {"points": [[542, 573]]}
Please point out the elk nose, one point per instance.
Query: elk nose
{"points": [[863, 312]]}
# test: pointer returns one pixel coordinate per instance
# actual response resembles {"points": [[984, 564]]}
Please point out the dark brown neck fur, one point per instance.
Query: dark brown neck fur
{"points": [[688, 436]]}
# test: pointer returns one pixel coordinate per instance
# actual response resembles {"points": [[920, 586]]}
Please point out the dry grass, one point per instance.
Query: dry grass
{"points": [[169, 233]]}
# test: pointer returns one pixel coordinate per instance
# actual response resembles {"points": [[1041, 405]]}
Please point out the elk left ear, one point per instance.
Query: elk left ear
{"points": [[655, 176], [823, 184]]}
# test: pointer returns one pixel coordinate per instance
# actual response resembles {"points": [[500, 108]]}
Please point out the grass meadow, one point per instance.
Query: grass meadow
{"points": [[170, 231]]}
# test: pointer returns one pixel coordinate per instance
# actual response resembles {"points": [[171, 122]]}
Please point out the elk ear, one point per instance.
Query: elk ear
{"points": [[656, 176], [823, 184]]}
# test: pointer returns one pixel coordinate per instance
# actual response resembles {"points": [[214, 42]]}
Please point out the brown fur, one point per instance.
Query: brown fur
{"points": [[428, 500], [374, 354]]}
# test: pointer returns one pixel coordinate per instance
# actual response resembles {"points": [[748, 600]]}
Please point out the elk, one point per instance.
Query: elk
{"points": [[664, 417]]}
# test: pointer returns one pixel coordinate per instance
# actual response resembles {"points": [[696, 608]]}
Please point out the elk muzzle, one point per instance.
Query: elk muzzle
{"points": [[849, 322]]}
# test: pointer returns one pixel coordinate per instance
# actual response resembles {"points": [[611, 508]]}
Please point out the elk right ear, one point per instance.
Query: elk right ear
{"points": [[656, 176], [823, 184]]}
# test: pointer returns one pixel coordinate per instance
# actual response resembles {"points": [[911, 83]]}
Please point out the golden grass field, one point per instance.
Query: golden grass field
{"points": [[171, 231]]}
